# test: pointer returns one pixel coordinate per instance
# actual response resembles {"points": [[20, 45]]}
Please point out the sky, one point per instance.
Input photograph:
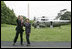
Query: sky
{"points": [[38, 8]]}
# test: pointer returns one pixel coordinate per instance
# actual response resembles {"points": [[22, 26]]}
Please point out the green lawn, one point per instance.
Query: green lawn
{"points": [[42, 34]]}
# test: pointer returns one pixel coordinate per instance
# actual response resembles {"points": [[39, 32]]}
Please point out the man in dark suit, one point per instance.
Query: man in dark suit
{"points": [[19, 29], [27, 31]]}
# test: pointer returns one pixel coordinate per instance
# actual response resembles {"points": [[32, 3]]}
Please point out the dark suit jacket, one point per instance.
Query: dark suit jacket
{"points": [[19, 28], [27, 27]]}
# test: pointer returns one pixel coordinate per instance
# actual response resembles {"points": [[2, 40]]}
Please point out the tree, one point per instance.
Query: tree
{"points": [[7, 15], [66, 16], [3, 12]]}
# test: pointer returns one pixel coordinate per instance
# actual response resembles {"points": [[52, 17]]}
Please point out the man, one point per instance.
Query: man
{"points": [[27, 31], [19, 30]]}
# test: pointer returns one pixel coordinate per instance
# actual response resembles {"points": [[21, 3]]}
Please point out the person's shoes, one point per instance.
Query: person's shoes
{"points": [[13, 44], [28, 45]]}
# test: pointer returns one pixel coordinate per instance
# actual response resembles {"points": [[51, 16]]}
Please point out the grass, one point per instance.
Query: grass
{"points": [[42, 34]]}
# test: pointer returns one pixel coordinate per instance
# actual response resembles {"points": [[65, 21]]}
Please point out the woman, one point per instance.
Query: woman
{"points": [[27, 31], [19, 30]]}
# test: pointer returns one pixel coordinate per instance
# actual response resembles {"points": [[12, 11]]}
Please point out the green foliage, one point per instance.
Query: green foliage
{"points": [[7, 15], [66, 16], [31, 21]]}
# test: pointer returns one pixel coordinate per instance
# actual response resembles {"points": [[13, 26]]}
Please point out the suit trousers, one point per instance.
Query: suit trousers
{"points": [[27, 38], [16, 37]]}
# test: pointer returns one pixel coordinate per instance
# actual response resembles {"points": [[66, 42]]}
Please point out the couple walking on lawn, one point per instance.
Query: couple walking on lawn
{"points": [[19, 30]]}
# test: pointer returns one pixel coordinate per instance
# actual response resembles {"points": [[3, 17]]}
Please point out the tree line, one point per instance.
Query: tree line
{"points": [[66, 16], [7, 15]]}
